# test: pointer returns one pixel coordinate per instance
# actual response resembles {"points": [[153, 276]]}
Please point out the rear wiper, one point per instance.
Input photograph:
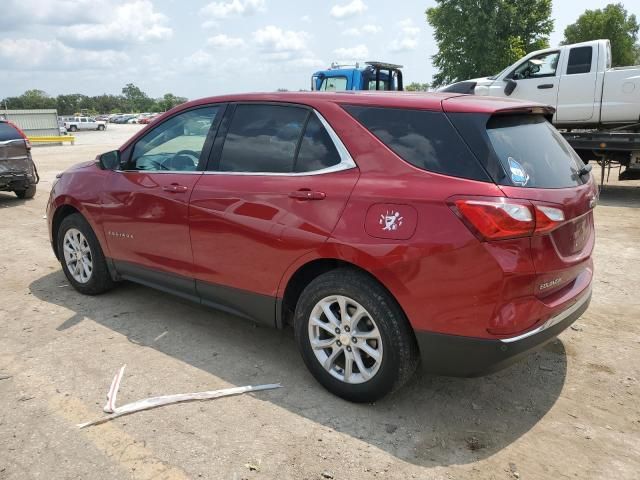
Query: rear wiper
{"points": [[585, 170]]}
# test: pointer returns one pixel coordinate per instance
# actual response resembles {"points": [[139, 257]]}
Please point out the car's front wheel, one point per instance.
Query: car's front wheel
{"points": [[81, 256], [353, 336]]}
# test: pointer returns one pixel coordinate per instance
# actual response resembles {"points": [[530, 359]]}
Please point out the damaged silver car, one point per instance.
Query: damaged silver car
{"points": [[18, 172]]}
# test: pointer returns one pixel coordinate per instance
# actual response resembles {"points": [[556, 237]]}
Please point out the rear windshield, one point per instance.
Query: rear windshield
{"points": [[533, 153], [7, 132], [425, 139]]}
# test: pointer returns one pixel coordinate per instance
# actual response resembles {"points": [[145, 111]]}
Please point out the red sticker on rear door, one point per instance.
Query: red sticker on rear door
{"points": [[391, 220]]}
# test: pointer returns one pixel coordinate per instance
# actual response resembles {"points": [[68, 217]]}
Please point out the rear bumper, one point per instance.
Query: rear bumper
{"points": [[468, 357], [15, 181]]}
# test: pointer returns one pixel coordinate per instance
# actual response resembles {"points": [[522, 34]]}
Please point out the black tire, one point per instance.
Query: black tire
{"points": [[100, 280], [29, 192], [73, 128], [400, 351], [100, 127]]}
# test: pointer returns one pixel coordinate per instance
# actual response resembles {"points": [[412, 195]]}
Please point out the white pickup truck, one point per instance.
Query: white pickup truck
{"points": [[575, 79], [597, 106], [73, 124]]}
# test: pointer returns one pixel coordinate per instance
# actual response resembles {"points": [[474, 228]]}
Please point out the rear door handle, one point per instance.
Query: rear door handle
{"points": [[545, 85], [175, 188], [306, 194]]}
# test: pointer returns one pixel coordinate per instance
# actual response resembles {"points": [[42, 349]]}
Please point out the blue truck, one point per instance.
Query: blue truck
{"points": [[370, 76]]}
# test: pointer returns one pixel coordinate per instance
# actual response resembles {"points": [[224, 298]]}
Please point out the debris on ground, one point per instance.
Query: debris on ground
{"points": [[326, 474], [514, 470], [154, 402], [252, 467]]}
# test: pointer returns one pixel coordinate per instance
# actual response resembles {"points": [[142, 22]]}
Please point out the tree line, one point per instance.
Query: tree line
{"points": [[132, 100], [477, 38]]}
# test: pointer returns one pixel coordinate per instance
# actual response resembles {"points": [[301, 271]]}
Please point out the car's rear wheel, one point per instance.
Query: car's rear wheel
{"points": [[73, 128], [100, 127], [28, 192], [81, 256], [353, 336]]}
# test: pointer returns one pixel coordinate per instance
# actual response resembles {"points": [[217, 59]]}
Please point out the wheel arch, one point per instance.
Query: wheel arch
{"points": [[62, 212], [305, 272]]}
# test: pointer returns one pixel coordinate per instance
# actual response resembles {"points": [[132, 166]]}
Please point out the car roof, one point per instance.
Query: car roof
{"points": [[450, 102]]}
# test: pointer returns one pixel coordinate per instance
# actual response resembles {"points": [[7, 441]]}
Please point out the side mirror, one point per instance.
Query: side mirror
{"points": [[109, 160], [510, 87]]}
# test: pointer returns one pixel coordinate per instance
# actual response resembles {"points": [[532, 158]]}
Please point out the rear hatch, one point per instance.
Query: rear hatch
{"points": [[14, 153], [533, 165]]}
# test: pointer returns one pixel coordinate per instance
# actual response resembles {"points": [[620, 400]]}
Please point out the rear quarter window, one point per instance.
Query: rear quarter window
{"points": [[7, 132], [425, 139]]}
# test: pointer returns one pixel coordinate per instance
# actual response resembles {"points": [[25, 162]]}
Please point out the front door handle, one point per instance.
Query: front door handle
{"points": [[306, 194], [175, 188], [545, 85]]}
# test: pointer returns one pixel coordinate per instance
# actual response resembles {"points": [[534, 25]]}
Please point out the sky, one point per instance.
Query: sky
{"points": [[198, 48]]}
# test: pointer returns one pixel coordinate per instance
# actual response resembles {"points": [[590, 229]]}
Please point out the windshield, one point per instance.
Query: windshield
{"points": [[493, 77]]}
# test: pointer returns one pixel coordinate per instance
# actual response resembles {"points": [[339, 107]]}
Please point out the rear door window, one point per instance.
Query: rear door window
{"points": [[7, 132], [317, 150], [263, 138], [425, 139], [533, 153], [579, 60]]}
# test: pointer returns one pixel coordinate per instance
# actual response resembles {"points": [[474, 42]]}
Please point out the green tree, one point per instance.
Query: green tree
{"points": [[417, 87], [136, 99], [481, 37], [612, 22], [168, 101]]}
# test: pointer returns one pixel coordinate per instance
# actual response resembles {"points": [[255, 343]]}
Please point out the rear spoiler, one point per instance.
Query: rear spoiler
{"points": [[495, 106]]}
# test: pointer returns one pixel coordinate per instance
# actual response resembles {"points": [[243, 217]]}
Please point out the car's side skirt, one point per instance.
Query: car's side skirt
{"points": [[252, 306]]}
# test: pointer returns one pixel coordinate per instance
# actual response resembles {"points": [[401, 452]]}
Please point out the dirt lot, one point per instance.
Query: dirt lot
{"points": [[570, 411]]}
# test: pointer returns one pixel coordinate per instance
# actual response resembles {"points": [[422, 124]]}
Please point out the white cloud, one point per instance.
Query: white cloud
{"points": [[368, 29], [356, 7], [232, 8], [359, 52], [352, 32], [371, 29], [132, 22], [407, 38], [305, 18], [280, 45], [18, 13], [225, 41], [32, 54]]}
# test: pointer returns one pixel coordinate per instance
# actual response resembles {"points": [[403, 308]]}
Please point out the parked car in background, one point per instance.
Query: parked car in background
{"points": [[123, 118], [385, 228], [148, 119], [18, 172], [84, 123]]}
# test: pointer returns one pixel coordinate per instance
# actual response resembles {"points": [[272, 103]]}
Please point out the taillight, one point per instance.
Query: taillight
{"points": [[502, 218], [548, 218]]}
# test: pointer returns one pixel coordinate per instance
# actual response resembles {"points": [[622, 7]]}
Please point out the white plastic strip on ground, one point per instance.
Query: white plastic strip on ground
{"points": [[155, 402]]}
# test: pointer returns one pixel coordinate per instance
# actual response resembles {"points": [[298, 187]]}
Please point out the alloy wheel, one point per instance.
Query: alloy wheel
{"points": [[77, 255], [345, 339]]}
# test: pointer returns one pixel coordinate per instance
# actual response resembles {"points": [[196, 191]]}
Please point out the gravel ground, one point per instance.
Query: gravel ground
{"points": [[569, 411]]}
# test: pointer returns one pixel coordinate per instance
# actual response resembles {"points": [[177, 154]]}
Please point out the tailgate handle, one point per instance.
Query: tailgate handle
{"points": [[545, 85], [175, 188], [306, 194]]}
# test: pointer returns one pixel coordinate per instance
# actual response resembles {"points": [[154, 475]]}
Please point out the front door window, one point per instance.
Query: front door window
{"points": [[176, 144]]}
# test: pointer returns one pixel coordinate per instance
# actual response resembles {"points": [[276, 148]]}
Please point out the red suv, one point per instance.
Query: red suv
{"points": [[385, 227]]}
